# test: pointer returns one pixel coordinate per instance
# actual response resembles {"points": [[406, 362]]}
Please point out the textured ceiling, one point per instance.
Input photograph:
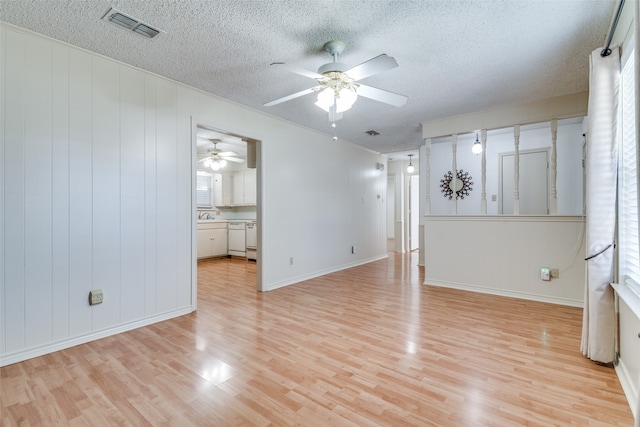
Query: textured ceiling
{"points": [[455, 56]]}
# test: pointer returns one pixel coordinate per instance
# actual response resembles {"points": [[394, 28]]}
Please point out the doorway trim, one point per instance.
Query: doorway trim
{"points": [[546, 150]]}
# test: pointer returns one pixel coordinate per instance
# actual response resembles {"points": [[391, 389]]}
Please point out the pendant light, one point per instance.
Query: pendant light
{"points": [[410, 168], [476, 148]]}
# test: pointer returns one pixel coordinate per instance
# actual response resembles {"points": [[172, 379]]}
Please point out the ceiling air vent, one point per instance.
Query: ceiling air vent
{"points": [[130, 23], [372, 132]]}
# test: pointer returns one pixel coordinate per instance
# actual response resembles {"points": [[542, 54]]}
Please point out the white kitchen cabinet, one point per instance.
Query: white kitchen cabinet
{"points": [[212, 239], [250, 187], [244, 188], [221, 189], [238, 188], [217, 189]]}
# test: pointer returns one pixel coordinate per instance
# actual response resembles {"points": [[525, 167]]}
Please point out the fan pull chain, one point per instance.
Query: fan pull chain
{"points": [[335, 135]]}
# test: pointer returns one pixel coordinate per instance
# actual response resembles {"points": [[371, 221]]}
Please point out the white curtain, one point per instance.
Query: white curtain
{"points": [[637, 424], [598, 324]]}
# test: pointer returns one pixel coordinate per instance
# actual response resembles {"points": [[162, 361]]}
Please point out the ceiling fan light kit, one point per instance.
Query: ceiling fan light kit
{"points": [[216, 159], [337, 88], [342, 100]]}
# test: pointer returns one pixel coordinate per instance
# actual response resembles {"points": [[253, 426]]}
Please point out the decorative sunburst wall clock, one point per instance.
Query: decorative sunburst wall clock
{"points": [[460, 186]]}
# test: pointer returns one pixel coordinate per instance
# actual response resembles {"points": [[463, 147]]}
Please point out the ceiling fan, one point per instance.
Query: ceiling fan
{"points": [[338, 86], [216, 159]]}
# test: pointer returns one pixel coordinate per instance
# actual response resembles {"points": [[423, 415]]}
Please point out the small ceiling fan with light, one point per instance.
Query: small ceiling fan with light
{"points": [[338, 87], [216, 159]]}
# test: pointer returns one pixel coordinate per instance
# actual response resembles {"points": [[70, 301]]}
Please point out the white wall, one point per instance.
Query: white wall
{"points": [[391, 200], [97, 195], [314, 211], [569, 181], [628, 363], [502, 255], [97, 170]]}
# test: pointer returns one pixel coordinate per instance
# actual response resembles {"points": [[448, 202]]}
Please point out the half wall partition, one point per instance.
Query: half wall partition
{"points": [[493, 221]]}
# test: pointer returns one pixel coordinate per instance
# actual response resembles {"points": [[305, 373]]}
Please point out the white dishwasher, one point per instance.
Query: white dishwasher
{"points": [[237, 239]]}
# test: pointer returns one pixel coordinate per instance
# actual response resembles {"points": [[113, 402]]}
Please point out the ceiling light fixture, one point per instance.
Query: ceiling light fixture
{"points": [[339, 91], [215, 164], [410, 168], [476, 148], [337, 88]]}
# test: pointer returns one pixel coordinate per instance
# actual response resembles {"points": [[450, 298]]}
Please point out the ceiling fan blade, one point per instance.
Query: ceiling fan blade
{"points": [[204, 158], [234, 159], [373, 66], [376, 94], [298, 70], [227, 154], [293, 96]]}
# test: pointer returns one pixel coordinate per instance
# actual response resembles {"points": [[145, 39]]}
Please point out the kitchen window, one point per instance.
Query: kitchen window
{"points": [[204, 190]]}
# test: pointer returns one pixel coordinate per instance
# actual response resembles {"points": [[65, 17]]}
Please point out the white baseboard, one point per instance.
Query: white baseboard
{"points": [[276, 285], [627, 386], [19, 356], [505, 293]]}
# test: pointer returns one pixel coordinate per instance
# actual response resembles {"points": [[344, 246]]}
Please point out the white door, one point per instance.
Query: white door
{"points": [[534, 183]]}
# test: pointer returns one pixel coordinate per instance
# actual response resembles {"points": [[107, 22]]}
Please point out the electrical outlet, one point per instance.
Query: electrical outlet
{"points": [[96, 296], [353, 249], [291, 261], [544, 274], [555, 273]]}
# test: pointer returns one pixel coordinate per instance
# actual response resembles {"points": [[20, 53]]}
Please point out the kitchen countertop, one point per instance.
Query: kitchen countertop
{"points": [[208, 221]]}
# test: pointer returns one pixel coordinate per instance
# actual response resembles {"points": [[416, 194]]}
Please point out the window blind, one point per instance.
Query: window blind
{"points": [[204, 194], [629, 265]]}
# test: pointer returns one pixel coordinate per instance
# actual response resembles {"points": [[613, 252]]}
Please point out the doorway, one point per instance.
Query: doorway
{"points": [[233, 161]]}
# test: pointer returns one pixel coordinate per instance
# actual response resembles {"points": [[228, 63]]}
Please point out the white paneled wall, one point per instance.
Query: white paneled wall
{"points": [[93, 165], [97, 194]]}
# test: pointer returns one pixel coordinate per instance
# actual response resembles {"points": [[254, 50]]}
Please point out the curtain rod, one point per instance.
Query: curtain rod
{"points": [[606, 51]]}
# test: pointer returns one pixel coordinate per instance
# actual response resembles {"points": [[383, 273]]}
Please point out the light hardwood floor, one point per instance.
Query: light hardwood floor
{"points": [[368, 346]]}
